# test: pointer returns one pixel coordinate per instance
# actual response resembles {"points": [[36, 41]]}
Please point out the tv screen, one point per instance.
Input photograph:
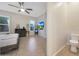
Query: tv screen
{"points": [[41, 25]]}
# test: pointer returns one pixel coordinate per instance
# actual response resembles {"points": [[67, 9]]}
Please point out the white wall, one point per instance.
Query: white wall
{"points": [[16, 19], [72, 18], [56, 28], [61, 22]]}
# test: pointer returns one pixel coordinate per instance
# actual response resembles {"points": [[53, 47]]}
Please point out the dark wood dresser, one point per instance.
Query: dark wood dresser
{"points": [[21, 32]]}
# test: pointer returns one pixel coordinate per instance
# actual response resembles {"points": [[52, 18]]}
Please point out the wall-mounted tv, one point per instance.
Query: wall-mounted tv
{"points": [[41, 25]]}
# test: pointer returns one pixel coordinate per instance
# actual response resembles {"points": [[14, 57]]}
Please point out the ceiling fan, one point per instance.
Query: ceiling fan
{"points": [[21, 7]]}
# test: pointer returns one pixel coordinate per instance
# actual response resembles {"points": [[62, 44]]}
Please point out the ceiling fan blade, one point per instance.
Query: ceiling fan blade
{"points": [[29, 9], [27, 12], [21, 4], [13, 5]]}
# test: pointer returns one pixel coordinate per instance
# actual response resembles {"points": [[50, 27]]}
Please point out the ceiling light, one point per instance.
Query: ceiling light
{"points": [[22, 10]]}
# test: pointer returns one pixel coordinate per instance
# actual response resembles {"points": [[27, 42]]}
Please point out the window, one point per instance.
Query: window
{"points": [[4, 24]]}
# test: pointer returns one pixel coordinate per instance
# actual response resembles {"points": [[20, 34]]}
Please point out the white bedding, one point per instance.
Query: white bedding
{"points": [[8, 39]]}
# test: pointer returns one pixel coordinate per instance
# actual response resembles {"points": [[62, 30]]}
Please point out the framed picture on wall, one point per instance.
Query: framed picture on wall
{"points": [[41, 25]]}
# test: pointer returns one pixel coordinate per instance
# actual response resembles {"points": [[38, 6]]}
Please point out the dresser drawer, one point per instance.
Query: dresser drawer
{"points": [[7, 49], [5, 42]]}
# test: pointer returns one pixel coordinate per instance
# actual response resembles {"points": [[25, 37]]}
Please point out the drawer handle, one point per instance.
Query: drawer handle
{"points": [[6, 39], [2, 39]]}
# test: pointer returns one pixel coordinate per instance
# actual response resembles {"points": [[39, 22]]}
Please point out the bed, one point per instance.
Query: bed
{"points": [[8, 42]]}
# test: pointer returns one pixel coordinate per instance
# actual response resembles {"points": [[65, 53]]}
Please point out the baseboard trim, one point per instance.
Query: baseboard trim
{"points": [[58, 50]]}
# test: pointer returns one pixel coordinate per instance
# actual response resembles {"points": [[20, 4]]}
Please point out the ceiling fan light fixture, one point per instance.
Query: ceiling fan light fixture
{"points": [[22, 10]]}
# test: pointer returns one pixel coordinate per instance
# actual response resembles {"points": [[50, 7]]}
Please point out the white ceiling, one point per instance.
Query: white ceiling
{"points": [[39, 8]]}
